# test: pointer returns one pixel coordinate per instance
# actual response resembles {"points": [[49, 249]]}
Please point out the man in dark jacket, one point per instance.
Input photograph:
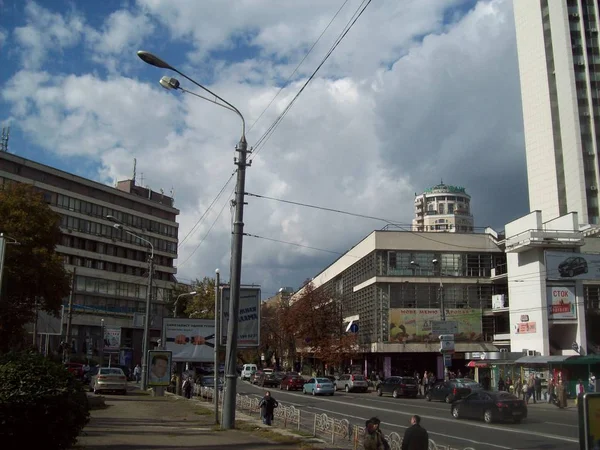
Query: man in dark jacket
{"points": [[415, 436], [374, 438], [267, 408]]}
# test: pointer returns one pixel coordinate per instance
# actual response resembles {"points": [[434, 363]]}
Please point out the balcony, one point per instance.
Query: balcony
{"points": [[542, 238]]}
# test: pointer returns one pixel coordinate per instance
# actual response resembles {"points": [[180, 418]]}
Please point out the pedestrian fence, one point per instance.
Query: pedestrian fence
{"points": [[339, 432]]}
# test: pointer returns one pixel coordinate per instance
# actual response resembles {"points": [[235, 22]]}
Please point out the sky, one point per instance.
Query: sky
{"points": [[417, 91]]}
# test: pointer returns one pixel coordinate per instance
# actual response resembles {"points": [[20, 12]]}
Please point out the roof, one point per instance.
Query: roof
{"points": [[587, 360], [539, 359]]}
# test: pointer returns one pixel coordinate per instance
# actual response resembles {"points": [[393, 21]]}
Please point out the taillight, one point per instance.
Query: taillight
{"points": [[501, 405], [101, 377], [122, 378], [318, 386], [454, 391], [352, 377]]}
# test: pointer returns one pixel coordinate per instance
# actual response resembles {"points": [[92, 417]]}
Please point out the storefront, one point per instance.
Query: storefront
{"points": [[490, 367]]}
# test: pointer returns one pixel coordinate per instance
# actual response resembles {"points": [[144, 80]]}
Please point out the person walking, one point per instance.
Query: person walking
{"points": [[531, 388], [561, 393], [267, 407], [374, 438], [501, 384], [137, 373], [550, 390], [538, 388], [187, 387], [415, 436]]}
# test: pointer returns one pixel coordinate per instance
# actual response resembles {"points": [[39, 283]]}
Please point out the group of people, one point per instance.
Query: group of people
{"points": [[415, 436]]}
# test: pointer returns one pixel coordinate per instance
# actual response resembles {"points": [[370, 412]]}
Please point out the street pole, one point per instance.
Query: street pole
{"points": [[146, 340], [2, 253], [217, 340], [236, 278], [67, 349], [101, 350]]}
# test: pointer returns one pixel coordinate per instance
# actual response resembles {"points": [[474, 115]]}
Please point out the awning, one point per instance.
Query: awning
{"points": [[588, 360], [539, 359]]}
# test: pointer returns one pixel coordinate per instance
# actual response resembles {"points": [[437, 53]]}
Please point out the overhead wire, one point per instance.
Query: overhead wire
{"points": [[295, 244]]}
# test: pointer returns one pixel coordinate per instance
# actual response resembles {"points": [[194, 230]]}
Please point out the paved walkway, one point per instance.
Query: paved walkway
{"points": [[140, 421]]}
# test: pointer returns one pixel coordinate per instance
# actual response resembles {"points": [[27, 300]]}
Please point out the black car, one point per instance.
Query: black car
{"points": [[490, 406], [451, 390], [572, 266], [272, 379], [398, 386]]}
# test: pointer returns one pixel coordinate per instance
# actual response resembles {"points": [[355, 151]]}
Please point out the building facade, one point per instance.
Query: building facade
{"points": [[443, 208], [111, 266], [559, 66]]}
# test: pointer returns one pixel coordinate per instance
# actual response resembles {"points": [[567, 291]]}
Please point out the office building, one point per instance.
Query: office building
{"points": [[443, 208]]}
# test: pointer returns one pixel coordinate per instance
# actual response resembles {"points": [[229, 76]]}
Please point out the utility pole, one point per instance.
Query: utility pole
{"points": [[67, 349], [217, 341], [35, 323], [146, 341]]}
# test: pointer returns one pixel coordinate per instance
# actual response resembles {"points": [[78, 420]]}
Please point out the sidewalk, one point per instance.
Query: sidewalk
{"points": [[140, 421]]}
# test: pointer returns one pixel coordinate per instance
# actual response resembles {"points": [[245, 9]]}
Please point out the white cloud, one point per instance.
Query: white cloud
{"points": [[46, 32]]}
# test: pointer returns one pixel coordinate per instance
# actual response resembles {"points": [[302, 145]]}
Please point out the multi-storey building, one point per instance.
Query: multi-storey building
{"points": [[559, 65], [443, 208], [111, 266]]}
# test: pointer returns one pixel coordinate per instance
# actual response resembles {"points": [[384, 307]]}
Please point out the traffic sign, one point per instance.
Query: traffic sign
{"points": [[447, 360]]}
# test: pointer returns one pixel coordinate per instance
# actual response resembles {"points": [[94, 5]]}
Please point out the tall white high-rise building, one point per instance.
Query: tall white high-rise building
{"points": [[559, 66]]}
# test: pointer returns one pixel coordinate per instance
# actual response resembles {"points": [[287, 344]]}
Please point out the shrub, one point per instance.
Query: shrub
{"points": [[40, 403]]}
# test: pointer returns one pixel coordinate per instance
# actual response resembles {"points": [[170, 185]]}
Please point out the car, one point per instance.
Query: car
{"points": [[451, 390], [490, 406], [75, 368], [209, 382], [352, 382], [572, 266], [268, 378], [398, 386], [109, 379], [247, 371], [319, 385], [256, 376], [291, 382]]}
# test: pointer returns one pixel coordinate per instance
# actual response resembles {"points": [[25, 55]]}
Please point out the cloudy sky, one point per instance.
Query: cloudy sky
{"points": [[417, 91]]}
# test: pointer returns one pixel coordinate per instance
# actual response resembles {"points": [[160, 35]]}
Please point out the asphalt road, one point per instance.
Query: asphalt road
{"points": [[546, 426]]}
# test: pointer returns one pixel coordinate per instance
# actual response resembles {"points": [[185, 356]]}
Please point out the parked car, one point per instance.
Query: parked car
{"points": [[247, 371], [352, 382], [572, 266], [209, 381], [255, 376], [398, 386], [109, 379], [75, 368], [268, 379], [316, 386], [449, 391], [490, 406], [291, 382]]}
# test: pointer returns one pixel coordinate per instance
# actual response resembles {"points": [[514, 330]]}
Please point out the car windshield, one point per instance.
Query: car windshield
{"points": [[111, 371], [467, 384], [505, 396], [407, 380], [322, 380], [358, 378]]}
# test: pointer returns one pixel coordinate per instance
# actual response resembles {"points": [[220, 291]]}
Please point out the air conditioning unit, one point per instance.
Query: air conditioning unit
{"points": [[530, 352]]}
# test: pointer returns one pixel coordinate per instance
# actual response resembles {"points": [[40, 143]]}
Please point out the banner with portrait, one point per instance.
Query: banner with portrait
{"points": [[159, 368]]}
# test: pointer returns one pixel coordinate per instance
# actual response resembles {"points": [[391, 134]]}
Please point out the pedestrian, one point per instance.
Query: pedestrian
{"points": [[531, 388], [425, 383], [187, 387], [518, 387], [538, 388], [580, 389], [525, 389], [550, 390], [501, 385], [374, 438], [415, 436], [267, 407], [137, 373], [561, 393]]}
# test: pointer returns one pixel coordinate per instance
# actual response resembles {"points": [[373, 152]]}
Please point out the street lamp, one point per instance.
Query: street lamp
{"points": [[177, 301], [238, 234], [3, 244], [146, 337]]}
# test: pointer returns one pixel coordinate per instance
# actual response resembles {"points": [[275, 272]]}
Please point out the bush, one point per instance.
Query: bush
{"points": [[40, 403]]}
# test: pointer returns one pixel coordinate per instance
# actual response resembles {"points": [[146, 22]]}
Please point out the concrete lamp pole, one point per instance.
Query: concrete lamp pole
{"points": [[217, 340], [237, 239], [146, 337]]}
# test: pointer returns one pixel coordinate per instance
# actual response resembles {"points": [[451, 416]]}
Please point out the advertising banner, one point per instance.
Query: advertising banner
{"points": [[572, 266], [190, 340], [409, 325], [248, 319], [159, 364], [562, 303], [112, 339], [525, 328]]}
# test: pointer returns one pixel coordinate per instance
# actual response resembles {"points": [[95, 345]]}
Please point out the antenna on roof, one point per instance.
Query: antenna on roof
{"points": [[4, 139], [134, 167]]}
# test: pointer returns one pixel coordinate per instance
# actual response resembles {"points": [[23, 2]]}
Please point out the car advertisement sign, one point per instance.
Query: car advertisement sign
{"points": [[190, 340], [409, 325], [572, 266], [562, 303]]}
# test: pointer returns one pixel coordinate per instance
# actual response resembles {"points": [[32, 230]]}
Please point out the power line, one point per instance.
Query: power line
{"points": [[295, 244]]}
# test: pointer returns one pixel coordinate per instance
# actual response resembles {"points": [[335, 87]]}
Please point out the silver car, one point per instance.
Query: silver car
{"points": [[319, 386], [354, 382], [109, 379]]}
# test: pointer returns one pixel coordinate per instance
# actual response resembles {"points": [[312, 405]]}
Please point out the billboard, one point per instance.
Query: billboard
{"points": [[159, 365], [190, 340], [248, 318], [408, 325], [562, 303], [572, 266], [112, 339]]}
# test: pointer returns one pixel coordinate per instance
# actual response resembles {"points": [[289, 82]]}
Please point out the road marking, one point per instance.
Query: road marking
{"points": [[562, 424]]}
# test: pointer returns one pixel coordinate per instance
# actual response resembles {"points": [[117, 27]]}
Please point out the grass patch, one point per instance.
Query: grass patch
{"points": [[267, 433], [204, 412]]}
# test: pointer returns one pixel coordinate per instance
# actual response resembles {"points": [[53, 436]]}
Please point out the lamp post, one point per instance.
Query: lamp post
{"points": [[217, 341], [3, 244], [238, 234], [177, 301], [146, 337]]}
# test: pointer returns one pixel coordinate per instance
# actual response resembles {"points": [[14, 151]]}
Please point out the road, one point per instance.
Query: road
{"points": [[546, 427]]}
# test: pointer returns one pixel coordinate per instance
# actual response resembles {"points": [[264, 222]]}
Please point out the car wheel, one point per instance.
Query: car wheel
{"points": [[428, 397], [449, 398], [379, 392], [314, 393], [487, 416], [395, 393], [347, 388], [455, 412]]}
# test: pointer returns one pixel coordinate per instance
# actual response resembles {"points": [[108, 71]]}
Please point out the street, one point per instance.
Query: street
{"points": [[546, 427]]}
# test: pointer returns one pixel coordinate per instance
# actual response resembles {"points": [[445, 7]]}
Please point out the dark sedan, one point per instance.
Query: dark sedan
{"points": [[449, 391], [292, 382], [490, 406], [398, 386], [269, 379]]}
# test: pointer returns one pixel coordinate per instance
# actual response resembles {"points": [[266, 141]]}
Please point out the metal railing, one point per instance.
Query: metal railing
{"points": [[338, 432]]}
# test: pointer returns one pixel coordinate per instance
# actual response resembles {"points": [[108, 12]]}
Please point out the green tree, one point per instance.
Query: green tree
{"points": [[202, 305], [34, 275]]}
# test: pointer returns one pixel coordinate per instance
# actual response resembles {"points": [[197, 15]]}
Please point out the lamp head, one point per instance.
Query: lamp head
{"points": [[192, 293], [434, 261], [169, 83], [217, 271], [111, 218], [118, 226], [153, 60]]}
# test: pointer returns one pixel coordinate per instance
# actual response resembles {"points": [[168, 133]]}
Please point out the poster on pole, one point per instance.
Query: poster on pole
{"points": [[248, 317], [159, 364], [190, 340], [112, 339]]}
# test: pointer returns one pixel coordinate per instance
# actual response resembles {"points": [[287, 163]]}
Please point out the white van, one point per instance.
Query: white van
{"points": [[248, 370]]}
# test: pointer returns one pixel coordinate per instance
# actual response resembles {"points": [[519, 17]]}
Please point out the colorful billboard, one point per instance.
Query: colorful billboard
{"points": [[159, 368], [190, 340], [572, 266], [562, 303], [409, 325]]}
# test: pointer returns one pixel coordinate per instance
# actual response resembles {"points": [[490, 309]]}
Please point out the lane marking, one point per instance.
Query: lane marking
{"points": [[562, 424]]}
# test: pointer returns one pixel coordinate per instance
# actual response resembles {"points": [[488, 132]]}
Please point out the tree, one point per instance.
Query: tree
{"points": [[201, 305], [275, 335], [314, 319], [34, 275]]}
